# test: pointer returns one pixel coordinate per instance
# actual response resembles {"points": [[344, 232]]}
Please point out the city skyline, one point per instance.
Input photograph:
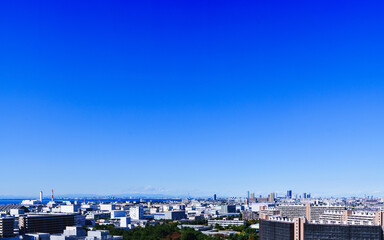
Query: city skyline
{"points": [[155, 195], [143, 195], [191, 98]]}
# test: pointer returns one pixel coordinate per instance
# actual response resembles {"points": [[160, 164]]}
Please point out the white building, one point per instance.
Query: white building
{"points": [[136, 213], [16, 212], [30, 202], [69, 208], [225, 223], [125, 222], [101, 235], [107, 207], [255, 207], [89, 206], [71, 232]]}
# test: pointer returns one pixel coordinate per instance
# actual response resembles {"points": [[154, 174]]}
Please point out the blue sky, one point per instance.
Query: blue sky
{"points": [[191, 97]]}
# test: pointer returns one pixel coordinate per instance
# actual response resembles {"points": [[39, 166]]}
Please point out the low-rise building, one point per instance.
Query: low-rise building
{"points": [[225, 223]]}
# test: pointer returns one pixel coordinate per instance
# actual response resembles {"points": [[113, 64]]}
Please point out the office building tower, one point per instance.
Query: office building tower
{"points": [[289, 194], [41, 196], [214, 197], [252, 196], [272, 197]]}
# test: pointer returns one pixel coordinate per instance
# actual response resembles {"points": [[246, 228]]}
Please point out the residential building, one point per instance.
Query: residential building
{"points": [[6, 227], [45, 223]]}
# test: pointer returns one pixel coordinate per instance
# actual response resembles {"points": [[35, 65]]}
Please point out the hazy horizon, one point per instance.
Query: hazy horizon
{"points": [[159, 195]]}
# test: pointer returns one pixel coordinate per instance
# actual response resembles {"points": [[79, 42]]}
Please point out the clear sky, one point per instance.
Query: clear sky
{"points": [[191, 97]]}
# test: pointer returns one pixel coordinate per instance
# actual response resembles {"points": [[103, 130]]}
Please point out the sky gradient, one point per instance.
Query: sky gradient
{"points": [[191, 97]]}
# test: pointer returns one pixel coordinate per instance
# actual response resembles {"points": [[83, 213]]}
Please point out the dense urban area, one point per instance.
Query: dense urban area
{"points": [[253, 217]]}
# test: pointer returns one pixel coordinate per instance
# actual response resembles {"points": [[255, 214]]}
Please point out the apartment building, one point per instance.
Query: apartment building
{"points": [[46, 223], [6, 227]]}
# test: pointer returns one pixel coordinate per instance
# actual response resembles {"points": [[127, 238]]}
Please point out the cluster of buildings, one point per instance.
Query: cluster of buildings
{"points": [[289, 217], [65, 220], [304, 218]]}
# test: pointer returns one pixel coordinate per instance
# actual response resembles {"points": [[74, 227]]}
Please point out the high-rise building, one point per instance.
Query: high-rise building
{"points": [[272, 197], [214, 197], [289, 194], [252, 196], [6, 227], [41, 196], [304, 195], [46, 223]]}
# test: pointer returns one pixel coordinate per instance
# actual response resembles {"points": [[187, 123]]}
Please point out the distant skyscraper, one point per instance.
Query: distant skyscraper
{"points": [[214, 197], [41, 196], [248, 194], [304, 195], [252, 196], [289, 194], [272, 197]]}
